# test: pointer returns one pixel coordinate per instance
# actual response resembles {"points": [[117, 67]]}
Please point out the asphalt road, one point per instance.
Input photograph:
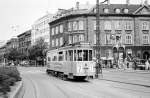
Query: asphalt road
{"points": [[112, 85]]}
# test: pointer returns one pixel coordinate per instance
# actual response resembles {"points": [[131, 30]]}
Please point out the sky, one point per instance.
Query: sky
{"points": [[17, 16]]}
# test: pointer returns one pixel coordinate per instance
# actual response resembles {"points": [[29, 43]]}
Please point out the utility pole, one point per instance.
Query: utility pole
{"points": [[98, 63], [97, 39]]}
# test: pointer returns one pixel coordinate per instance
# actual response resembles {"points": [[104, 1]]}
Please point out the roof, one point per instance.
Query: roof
{"points": [[132, 8], [25, 33]]}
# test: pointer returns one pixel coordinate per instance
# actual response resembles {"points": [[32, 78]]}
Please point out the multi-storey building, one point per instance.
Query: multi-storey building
{"points": [[40, 29], [122, 26], [24, 42], [2, 54], [12, 43]]}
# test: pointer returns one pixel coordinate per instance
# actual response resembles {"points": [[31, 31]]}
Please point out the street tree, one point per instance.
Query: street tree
{"points": [[38, 51], [12, 54]]}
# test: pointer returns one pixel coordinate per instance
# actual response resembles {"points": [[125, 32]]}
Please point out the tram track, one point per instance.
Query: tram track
{"points": [[33, 85]]}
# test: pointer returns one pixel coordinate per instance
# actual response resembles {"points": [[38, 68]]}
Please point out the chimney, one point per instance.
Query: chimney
{"points": [[77, 5], [128, 2], [108, 2]]}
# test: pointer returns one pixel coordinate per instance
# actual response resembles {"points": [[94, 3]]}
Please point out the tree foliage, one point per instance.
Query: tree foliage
{"points": [[38, 51], [12, 54]]}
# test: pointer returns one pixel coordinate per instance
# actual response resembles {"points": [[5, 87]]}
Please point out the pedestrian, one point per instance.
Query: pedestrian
{"points": [[135, 64], [146, 65]]}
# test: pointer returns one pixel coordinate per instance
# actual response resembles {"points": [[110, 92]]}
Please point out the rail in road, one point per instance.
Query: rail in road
{"points": [[40, 85]]}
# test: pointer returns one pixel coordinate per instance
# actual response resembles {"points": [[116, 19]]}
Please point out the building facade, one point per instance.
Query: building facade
{"points": [[40, 29], [124, 30], [24, 42], [12, 43], [2, 55]]}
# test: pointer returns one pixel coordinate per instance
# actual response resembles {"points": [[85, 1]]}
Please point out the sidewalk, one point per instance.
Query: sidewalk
{"points": [[123, 70], [128, 76]]}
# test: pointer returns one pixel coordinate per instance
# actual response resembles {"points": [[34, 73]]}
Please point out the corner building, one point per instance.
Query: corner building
{"points": [[130, 23]]}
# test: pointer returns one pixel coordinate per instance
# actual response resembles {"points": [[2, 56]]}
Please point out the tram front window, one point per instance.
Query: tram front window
{"points": [[79, 55], [85, 55]]}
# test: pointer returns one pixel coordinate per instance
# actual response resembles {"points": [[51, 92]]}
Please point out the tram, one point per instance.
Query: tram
{"points": [[73, 62]]}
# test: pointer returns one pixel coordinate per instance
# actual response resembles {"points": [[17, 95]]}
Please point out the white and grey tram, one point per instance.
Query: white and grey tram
{"points": [[74, 62]]}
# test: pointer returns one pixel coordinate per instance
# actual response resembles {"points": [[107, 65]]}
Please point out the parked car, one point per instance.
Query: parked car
{"points": [[25, 63], [141, 64]]}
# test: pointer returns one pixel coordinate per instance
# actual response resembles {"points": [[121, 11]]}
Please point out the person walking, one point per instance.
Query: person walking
{"points": [[146, 65]]}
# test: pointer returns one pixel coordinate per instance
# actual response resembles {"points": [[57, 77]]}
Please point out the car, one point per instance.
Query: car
{"points": [[140, 64]]}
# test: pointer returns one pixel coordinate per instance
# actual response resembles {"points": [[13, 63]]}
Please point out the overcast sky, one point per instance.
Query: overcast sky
{"points": [[17, 16]]}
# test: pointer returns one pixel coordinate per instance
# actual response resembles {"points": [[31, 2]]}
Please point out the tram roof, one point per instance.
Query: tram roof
{"points": [[74, 46]]}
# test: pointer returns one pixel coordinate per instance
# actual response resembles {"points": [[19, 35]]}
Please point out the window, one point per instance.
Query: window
{"points": [[49, 59], [61, 41], [70, 39], [56, 41], [79, 55], [75, 39], [126, 11], [107, 25], [118, 39], [145, 25], [61, 28], [81, 37], [128, 39], [53, 43], [106, 10], [61, 56], [81, 25], [117, 11], [90, 55], [54, 58], [145, 39], [70, 55], [69, 26], [75, 25], [56, 31], [118, 25], [128, 25], [128, 32], [107, 39], [75, 55], [85, 55], [53, 31], [94, 38], [94, 24]]}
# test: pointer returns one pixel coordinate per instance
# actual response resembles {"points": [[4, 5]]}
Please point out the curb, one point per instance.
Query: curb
{"points": [[17, 92]]}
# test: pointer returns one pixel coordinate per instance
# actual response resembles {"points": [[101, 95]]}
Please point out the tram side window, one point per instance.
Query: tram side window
{"points": [[85, 55], [66, 56], [90, 55], [61, 57], [79, 55], [55, 58], [75, 55], [49, 59], [70, 55]]}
